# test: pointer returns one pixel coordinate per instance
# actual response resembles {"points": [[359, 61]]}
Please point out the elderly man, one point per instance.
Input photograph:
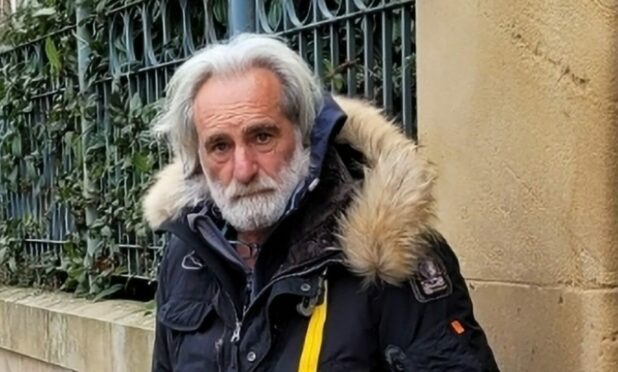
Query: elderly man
{"points": [[301, 229]]}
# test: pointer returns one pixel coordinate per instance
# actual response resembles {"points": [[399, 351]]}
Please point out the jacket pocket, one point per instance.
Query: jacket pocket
{"points": [[185, 315], [193, 332], [444, 350]]}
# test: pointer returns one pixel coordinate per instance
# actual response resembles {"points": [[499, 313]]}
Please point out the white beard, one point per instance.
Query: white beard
{"points": [[257, 212]]}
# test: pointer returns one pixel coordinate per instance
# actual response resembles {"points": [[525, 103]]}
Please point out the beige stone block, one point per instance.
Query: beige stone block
{"points": [[77, 334], [13, 362], [517, 104], [132, 348], [94, 340], [542, 329], [23, 329]]}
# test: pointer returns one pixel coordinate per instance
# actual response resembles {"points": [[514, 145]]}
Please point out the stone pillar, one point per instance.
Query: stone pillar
{"points": [[518, 108]]}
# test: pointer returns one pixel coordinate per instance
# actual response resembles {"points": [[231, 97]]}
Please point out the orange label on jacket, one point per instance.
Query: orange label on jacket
{"points": [[457, 327]]}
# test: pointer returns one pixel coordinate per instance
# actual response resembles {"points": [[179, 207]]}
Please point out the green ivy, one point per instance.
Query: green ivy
{"points": [[38, 55]]}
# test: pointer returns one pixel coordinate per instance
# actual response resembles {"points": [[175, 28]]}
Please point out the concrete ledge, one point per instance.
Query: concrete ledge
{"points": [[76, 334], [13, 362]]}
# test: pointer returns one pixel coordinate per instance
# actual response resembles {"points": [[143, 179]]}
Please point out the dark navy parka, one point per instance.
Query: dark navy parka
{"points": [[353, 239]]}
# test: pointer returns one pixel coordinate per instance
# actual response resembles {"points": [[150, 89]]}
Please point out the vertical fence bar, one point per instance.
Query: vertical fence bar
{"points": [[302, 45], [406, 75], [241, 16], [83, 56], [334, 52], [350, 49], [387, 61], [318, 63], [368, 54]]}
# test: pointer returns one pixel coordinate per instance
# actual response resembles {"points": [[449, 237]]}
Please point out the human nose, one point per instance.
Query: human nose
{"points": [[245, 166]]}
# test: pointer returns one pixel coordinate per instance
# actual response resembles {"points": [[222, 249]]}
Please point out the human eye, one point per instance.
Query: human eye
{"points": [[218, 147], [263, 138]]}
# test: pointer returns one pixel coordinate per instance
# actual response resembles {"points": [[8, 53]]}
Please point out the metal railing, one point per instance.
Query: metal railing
{"points": [[359, 47], [37, 203]]}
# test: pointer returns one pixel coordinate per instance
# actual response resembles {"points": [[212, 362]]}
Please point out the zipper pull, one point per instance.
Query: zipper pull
{"points": [[236, 334]]}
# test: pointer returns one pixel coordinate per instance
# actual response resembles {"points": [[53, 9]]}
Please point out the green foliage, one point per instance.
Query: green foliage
{"points": [[41, 111], [35, 20]]}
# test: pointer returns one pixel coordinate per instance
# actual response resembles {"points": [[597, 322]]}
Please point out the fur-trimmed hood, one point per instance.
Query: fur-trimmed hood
{"points": [[384, 231]]}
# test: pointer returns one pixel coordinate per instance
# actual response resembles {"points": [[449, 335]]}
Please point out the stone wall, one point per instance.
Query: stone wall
{"points": [[55, 332], [13, 362], [518, 108]]}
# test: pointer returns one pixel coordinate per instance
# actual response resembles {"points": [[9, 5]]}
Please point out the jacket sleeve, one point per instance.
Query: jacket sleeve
{"points": [[161, 361], [428, 324]]}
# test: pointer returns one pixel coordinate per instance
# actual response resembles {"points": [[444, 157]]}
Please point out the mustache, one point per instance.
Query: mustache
{"points": [[262, 184]]}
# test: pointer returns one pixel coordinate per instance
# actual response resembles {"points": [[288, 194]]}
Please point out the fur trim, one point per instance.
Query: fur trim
{"points": [[172, 193], [383, 232]]}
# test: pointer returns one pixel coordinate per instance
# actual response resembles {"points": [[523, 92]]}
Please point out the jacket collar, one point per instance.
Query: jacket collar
{"points": [[382, 232], [327, 125]]}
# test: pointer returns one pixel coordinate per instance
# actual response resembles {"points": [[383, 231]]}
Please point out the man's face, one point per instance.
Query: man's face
{"points": [[250, 152]]}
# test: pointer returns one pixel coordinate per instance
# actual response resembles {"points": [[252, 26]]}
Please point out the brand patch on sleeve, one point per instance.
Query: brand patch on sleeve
{"points": [[430, 281]]}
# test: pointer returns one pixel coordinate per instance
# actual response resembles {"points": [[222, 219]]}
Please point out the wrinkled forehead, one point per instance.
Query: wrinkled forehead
{"points": [[254, 85], [257, 81], [250, 98]]}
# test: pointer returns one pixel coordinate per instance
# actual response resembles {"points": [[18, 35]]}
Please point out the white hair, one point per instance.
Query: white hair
{"points": [[301, 99]]}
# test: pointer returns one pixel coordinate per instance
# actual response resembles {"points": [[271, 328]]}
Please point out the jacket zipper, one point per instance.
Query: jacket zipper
{"points": [[239, 322], [236, 333]]}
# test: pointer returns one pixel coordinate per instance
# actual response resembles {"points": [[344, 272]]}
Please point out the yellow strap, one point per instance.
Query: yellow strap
{"points": [[313, 339]]}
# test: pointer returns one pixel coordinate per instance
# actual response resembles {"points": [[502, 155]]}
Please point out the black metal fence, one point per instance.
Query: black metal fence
{"points": [[83, 168]]}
